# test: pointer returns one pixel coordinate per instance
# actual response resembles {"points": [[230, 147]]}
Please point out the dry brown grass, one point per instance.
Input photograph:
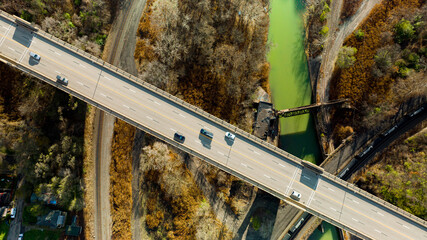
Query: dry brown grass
{"points": [[175, 206], [89, 175], [121, 180], [349, 8]]}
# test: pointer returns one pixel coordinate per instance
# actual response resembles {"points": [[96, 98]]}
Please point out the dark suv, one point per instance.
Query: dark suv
{"points": [[206, 133], [179, 137]]}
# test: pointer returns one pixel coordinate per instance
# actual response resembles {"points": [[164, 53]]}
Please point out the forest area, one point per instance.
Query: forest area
{"points": [[212, 54], [381, 66], [399, 174], [41, 127], [44, 148]]}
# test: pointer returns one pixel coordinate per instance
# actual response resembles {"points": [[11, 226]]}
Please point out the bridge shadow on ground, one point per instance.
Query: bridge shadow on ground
{"points": [[23, 36], [259, 221], [309, 178]]}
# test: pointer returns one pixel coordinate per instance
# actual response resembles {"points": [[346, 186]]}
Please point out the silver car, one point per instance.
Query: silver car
{"points": [[35, 56]]}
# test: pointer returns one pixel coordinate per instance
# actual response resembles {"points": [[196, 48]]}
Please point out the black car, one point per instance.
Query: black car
{"points": [[206, 133], [179, 137]]}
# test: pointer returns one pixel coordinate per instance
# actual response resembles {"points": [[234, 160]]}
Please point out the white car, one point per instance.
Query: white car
{"points": [[21, 236], [35, 56], [296, 195], [230, 136], [12, 213]]}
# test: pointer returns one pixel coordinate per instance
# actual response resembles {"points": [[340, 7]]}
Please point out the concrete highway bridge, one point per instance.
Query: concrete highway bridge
{"points": [[161, 114]]}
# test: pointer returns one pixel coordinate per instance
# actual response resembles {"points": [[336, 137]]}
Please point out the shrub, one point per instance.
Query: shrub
{"points": [[26, 16], [383, 59], [413, 60], [100, 39], [346, 57], [404, 31], [359, 34], [400, 63], [324, 31], [404, 72], [256, 222]]}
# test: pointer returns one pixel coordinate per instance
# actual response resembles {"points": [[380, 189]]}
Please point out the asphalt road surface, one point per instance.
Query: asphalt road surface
{"points": [[244, 157]]}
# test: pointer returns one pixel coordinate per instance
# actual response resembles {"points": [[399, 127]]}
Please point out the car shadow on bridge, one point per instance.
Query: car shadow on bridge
{"points": [[309, 178], [228, 141], [206, 142]]}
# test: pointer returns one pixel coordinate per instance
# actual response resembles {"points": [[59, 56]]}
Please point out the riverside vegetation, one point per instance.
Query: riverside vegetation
{"points": [[382, 65]]}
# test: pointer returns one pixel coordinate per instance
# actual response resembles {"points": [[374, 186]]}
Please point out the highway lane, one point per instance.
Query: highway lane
{"points": [[163, 116]]}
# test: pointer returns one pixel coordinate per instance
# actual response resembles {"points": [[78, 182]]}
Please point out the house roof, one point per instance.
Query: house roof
{"points": [[53, 219], [73, 230]]}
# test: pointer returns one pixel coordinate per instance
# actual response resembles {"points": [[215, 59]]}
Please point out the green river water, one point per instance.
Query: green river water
{"points": [[290, 86], [289, 80]]}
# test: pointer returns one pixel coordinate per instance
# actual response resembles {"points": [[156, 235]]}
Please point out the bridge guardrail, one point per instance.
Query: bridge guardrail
{"points": [[212, 118], [375, 199]]}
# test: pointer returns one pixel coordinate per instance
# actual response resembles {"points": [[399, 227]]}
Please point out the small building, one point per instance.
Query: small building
{"points": [[265, 120], [73, 231], [54, 219]]}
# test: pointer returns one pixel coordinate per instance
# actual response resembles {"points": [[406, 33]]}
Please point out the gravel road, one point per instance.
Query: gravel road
{"points": [[119, 51]]}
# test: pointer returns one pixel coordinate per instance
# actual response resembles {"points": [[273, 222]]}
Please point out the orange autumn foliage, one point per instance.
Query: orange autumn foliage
{"points": [[121, 180]]}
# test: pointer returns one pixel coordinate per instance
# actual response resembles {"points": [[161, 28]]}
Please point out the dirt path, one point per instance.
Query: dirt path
{"points": [[102, 147], [336, 40], [118, 51], [333, 45]]}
